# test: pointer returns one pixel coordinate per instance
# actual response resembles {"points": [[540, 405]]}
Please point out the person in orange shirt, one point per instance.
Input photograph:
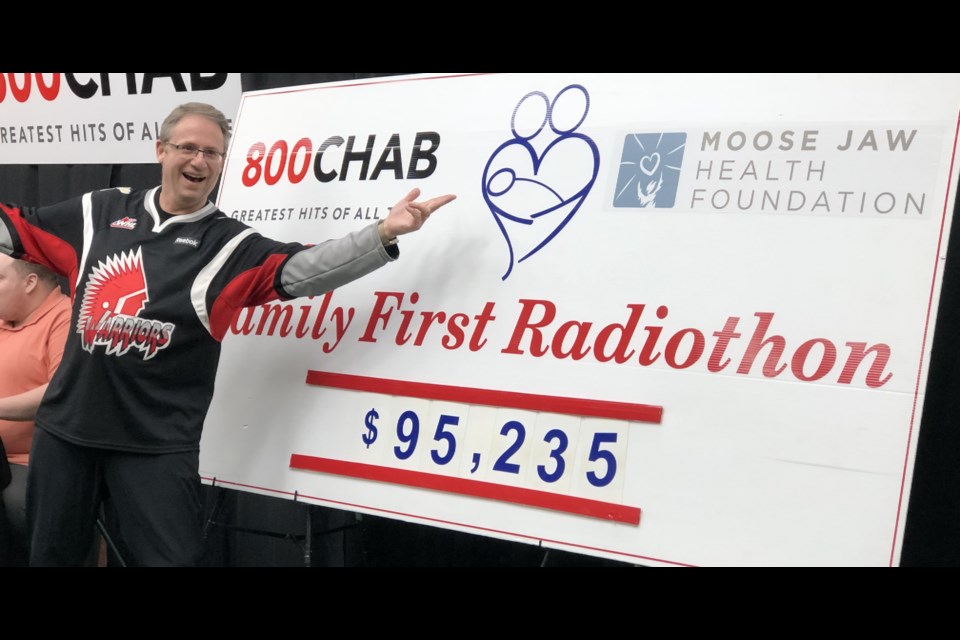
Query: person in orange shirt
{"points": [[34, 321]]}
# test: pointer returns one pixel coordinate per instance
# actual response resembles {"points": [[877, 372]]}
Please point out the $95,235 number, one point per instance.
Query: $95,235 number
{"points": [[550, 452]]}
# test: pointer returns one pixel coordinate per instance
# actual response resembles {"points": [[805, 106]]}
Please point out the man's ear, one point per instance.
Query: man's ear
{"points": [[30, 283]]}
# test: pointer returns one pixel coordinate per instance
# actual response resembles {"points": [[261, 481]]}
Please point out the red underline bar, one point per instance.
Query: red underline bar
{"points": [[476, 488], [508, 399]]}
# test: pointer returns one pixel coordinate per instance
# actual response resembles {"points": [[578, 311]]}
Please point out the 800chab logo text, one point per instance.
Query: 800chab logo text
{"points": [[47, 86], [335, 158]]}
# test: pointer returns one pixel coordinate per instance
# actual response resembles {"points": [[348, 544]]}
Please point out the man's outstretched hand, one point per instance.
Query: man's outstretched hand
{"points": [[408, 215]]}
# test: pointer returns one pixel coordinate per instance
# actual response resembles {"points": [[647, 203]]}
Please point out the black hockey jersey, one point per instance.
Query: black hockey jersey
{"points": [[152, 299]]}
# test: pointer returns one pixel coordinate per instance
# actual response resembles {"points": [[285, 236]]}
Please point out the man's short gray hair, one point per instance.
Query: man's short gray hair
{"points": [[198, 109]]}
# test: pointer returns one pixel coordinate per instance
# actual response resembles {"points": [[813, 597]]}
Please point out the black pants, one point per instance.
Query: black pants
{"points": [[156, 499], [13, 519]]}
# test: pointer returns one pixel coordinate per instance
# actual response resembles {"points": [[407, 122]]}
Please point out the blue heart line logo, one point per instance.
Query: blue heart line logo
{"points": [[536, 182]]}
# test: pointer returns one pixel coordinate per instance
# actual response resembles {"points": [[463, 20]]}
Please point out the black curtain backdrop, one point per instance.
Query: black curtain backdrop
{"points": [[253, 530]]}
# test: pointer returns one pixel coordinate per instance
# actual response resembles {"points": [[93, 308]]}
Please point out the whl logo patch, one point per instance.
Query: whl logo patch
{"points": [[115, 294], [125, 223]]}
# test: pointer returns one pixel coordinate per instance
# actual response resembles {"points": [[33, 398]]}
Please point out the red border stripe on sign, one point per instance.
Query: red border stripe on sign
{"points": [[479, 489], [471, 395]]}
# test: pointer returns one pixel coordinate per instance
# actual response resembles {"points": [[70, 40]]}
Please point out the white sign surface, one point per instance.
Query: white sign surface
{"points": [[670, 319], [99, 118]]}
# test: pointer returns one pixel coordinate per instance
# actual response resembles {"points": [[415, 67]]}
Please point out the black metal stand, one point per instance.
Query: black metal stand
{"points": [[303, 541], [546, 557], [113, 547]]}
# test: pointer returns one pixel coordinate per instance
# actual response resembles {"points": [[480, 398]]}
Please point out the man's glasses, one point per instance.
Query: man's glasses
{"points": [[190, 151]]}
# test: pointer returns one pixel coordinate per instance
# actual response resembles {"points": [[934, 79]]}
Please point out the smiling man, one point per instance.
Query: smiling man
{"points": [[190, 151], [158, 275]]}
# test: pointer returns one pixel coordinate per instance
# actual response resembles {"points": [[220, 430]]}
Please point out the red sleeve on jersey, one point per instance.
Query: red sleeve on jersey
{"points": [[248, 289]]}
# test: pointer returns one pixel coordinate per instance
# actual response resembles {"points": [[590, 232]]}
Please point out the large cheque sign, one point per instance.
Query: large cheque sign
{"points": [[669, 320]]}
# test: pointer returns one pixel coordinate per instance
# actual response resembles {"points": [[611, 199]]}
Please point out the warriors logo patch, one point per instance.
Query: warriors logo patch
{"points": [[113, 298]]}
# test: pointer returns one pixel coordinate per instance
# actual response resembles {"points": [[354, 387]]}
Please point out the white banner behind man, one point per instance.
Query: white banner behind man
{"points": [[98, 118], [671, 319]]}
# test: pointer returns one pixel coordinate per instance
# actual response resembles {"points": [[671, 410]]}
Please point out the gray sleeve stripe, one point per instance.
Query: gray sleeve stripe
{"points": [[334, 263]]}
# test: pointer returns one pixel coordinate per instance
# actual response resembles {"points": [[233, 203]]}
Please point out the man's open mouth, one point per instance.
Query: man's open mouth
{"points": [[193, 178]]}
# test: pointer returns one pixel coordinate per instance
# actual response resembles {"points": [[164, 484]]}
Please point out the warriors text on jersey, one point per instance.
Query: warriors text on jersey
{"points": [[153, 296]]}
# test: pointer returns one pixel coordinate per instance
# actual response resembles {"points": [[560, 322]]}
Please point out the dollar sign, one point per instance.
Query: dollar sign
{"points": [[371, 435]]}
